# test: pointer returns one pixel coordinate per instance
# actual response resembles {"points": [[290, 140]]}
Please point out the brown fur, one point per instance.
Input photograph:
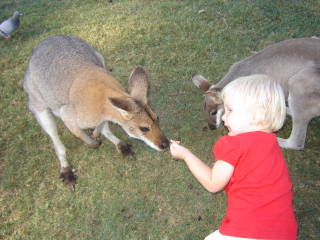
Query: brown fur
{"points": [[68, 78]]}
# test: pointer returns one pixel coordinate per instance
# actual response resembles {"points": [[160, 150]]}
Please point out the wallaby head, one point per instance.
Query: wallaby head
{"points": [[213, 105], [137, 118]]}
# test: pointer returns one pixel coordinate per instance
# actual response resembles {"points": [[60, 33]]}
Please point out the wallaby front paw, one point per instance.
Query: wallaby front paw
{"points": [[125, 149], [69, 177]]}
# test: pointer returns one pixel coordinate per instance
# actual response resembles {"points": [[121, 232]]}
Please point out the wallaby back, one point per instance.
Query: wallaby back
{"points": [[54, 65]]}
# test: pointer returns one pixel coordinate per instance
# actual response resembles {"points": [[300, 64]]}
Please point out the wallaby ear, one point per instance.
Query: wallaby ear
{"points": [[214, 96], [138, 85], [125, 106], [201, 82]]}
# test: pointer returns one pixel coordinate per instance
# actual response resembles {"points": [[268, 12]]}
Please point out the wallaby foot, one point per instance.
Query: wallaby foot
{"points": [[69, 177], [285, 143], [125, 149], [94, 143], [92, 138]]}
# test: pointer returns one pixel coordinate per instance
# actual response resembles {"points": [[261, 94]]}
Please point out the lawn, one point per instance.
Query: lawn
{"points": [[153, 197]]}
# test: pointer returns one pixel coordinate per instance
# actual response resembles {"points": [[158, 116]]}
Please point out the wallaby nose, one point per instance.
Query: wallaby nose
{"points": [[212, 126], [165, 143]]}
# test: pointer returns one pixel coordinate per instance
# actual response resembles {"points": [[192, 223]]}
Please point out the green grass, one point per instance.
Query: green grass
{"points": [[153, 197]]}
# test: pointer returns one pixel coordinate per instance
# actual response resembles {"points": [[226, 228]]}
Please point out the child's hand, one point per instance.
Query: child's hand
{"points": [[178, 151]]}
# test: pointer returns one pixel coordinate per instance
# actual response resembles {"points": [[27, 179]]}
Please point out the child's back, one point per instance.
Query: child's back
{"points": [[260, 190]]}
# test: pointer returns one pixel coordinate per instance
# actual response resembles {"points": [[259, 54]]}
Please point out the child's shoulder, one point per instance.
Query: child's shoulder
{"points": [[244, 139], [257, 136], [254, 136], [227, 143], [228, 149]]}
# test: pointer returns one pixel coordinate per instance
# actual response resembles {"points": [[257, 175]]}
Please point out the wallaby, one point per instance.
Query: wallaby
{"points": [[295, 64], [67, 78]]}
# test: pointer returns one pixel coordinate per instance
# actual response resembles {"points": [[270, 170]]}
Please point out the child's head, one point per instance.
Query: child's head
{"points": [[255, 100]]}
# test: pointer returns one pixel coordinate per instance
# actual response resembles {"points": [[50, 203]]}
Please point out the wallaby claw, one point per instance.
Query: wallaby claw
{"points": [[126, 149], [69, 177]]}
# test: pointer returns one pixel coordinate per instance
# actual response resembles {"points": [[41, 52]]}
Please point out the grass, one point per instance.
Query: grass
{"points": [[153, 197]]}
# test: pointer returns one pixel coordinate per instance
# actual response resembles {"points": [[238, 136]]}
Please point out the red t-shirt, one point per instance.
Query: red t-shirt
{"points": [[259, 193]]}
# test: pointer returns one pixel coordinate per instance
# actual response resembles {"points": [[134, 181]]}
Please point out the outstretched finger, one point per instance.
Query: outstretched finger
{"points": [[174, 141]]}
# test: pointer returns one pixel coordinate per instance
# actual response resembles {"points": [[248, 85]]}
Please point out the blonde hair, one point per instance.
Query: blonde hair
{"points": [[261, 95]]}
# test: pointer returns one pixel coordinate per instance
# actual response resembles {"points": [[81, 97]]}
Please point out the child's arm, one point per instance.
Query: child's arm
{"points": [[214, 179]]}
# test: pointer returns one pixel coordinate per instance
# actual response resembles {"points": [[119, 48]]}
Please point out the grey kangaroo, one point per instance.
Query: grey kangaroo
{"points": [[67, 78], [295, 64]]}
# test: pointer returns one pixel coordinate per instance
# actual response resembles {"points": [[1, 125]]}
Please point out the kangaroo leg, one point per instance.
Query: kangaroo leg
{"points": [[97, 130], [303, 103], [69, 117], [46, 121], [297, 137], [122, 147]]}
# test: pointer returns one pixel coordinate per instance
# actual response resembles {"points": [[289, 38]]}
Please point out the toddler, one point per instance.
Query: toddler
{"points": [[249, 163]]}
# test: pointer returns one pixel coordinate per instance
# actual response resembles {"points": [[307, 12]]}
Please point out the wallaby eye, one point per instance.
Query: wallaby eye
{"points": [[144, 129], [213, 113]]}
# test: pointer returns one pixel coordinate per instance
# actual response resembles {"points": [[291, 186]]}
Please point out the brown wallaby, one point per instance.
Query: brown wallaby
{"points": [[67, 78], [295, 64]]}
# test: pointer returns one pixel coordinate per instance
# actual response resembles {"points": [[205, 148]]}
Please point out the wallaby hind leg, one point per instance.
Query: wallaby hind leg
{"points": [[46, 121], [68, 115], [297, 137], [303, 106]]}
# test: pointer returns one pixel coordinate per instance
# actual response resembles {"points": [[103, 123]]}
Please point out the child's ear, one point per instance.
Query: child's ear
{"points": [[258, 119]]}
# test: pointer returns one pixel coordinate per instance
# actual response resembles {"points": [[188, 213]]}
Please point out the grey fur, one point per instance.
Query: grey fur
{"points": [[295, 64]]}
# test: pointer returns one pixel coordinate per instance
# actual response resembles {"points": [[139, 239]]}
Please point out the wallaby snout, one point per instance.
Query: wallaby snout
{"points": [[67, 78], [164, 143], [213, 109]]}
